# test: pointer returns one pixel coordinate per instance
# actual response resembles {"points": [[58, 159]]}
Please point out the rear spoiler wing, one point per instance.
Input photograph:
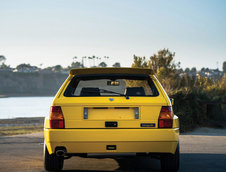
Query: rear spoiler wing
{"points": [[113, 70]]}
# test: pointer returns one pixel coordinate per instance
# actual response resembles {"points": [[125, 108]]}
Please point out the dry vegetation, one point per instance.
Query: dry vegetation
{"points": [[198, 99], [20, 126]]}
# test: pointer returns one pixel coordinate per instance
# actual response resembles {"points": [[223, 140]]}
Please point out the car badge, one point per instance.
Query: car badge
{"points": [[111, 99]]}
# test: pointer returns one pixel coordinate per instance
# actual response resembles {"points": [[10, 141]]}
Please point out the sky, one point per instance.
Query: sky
{"points": [[51, 32]]}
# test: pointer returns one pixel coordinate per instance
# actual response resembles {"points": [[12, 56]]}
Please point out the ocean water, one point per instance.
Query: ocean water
{"points": [[14, 107]]}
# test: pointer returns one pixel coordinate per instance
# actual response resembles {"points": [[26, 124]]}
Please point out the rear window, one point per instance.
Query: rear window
{"points": [[111, 85]]}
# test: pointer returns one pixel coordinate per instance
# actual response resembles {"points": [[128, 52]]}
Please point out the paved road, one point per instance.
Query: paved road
{"points": [[202, 150]]}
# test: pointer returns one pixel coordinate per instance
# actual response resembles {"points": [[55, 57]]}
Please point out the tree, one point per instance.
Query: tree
{"points": [[116, 64], [187, 70], [92, 58], [2, 58], [163, 66], [26, 68], [193, 70], [102, 64], [224, 67], [203, 70], [139, 62], [76, 65], [164, 59], [75, 58], [106, 57], [57, 68], [4, 66], [23, 66], [161, 63]]}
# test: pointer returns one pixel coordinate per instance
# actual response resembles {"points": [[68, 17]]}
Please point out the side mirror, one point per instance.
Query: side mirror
{"points": [[172, 101]]}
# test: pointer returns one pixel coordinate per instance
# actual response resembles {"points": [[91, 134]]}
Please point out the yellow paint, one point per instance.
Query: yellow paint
{"points": [[90, 135], [110, 114], [71, 138]]}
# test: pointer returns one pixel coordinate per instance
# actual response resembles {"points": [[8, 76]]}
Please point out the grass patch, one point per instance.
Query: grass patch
{"points": [[21, 126], [14, 130]]}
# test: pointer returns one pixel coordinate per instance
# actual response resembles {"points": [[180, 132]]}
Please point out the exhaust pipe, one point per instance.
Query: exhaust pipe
{"points": [[60, 152]]}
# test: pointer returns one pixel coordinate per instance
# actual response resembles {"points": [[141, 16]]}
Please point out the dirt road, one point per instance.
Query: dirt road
{"points": [[201, 150]]}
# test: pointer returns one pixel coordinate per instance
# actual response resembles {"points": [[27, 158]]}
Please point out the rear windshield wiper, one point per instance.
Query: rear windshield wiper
{"points": [[108, 91]]}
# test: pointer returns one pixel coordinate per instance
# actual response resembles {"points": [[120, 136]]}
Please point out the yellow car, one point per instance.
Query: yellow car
{"points": [[111, 110]]}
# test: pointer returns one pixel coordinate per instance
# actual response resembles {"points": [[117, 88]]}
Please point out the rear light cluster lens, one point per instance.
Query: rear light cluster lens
{"points": [[56, 117], [165, 117]]}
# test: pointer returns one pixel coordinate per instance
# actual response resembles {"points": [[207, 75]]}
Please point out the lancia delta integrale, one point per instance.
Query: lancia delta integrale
{"points": [[111, 110]]}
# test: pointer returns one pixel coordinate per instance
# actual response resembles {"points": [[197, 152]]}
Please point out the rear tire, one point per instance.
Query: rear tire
{"points": [[171, 162], [52, 162]]}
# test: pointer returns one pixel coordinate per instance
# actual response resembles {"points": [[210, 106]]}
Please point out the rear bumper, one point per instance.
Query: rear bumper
{"points": [[126, 140]]}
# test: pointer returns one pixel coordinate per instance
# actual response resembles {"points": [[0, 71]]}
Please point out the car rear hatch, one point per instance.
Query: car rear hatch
{"points": [[110, 111]]}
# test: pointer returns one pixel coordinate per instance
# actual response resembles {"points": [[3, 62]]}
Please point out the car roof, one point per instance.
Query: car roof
{"points": [[112, 70]]}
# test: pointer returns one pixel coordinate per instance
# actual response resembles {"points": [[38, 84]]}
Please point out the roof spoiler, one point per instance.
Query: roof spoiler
{"points": [[113, 70]]}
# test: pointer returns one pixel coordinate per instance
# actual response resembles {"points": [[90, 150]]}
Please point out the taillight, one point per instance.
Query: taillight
{"points": [[165, 117], [56, 117]]}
